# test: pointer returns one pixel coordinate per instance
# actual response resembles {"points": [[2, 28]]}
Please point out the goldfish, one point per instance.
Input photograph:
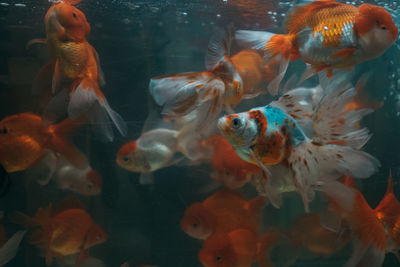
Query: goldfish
{"points": [[25, 139], [388, 212], [222, 212], [308, 232], [273, 138], [228, 168], [65, 232], [368, 234], [326, 35], [158, 148], [76, 72], [226, 82], [82, 181]]}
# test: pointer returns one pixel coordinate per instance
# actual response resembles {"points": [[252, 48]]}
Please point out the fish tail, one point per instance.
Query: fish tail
{"points": [[190, 145], [369, 237], [332, 123], [61, 142], [9, 250], [310, 161], [182, 94], [279, 51], [87, 99]]}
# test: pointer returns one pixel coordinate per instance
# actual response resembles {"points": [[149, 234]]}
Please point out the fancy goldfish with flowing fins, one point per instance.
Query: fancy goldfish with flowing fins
{"points": [[368, 233], [65, 232], [228, 168], [222, 87], [273, 138], [24, 139], [327, 35], [222, 212], [76, 71]]}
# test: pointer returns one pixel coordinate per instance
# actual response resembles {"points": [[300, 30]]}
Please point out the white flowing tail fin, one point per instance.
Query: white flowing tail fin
{"points": [[10, 248], [219, 46], [333, 124]]}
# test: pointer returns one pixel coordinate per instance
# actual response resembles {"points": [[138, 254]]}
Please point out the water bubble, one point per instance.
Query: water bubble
{"points": [[20, 5], [154, 9], [4, 4], [218, 15]]}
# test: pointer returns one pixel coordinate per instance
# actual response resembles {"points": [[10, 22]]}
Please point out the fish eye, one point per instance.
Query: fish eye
{"points": [[99, 236], [383, 27], [74, 15], [218, 258], [126, 159], [195, 225], [236, 123], [89, 186]]}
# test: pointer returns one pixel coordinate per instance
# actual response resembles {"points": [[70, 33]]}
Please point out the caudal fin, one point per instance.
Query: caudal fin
{"points": [[87, 99], [10, 248], [279, 51]]}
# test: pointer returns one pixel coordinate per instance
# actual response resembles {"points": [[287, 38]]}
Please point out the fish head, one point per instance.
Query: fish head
{"points": [[218, 251], [239, 129], [132, 159], [198, 222], [376, 30], [67, 21], [90, 185], [96, 235]]}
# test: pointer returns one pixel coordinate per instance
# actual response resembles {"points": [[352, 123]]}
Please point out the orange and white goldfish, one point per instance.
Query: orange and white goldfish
{"points": [[69, 231], [228, 169], [25, 139], [222, 212], [82, 181], [327, 35], [76, 72], [222, 87], [274, 138], [156, 149], [388, 212], [368, 233]]}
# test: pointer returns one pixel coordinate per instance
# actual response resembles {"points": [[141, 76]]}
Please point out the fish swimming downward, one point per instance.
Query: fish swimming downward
{"points": [[326, 35], [227, 81], [273, 137], [75, 72]]}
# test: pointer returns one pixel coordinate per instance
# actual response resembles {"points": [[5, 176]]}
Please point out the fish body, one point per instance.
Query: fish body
{"points": [[327, 35], [272, 137], [24, 139]]}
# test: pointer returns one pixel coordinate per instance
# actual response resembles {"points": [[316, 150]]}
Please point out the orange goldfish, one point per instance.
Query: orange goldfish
{"points": [[388, 212], [308, 232], [222, 87], [69, 231], [228, 168], [222, 212], [368, 234], [76, 72], [24, 139], [327, 35]]}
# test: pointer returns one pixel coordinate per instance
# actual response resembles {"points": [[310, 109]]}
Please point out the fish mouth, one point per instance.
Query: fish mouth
{"points": [[222, 124]]}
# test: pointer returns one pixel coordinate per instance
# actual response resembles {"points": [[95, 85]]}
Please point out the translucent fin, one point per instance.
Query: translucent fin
{"points": [[273, 86], [253, 39], [43, 80], [115, 117], [219, 46], [35, 41], [330, 220], [57, 107], [44, 171], [373, 257], [359, 251], [10, 248], [82, 98], [146, 178], [101, 79], [56, 82]]}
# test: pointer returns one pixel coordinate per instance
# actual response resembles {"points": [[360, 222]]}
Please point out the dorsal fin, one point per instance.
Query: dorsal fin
{"points": [[390, 184], [219, 46], [70, 202]]}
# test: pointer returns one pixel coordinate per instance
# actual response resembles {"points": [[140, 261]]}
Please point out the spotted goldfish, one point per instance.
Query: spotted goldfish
{"points": [[327, 35], [273, 138]]}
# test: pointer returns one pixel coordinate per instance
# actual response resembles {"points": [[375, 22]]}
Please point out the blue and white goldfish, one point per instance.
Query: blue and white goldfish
{"points": [[327, 35], [274, 138]]}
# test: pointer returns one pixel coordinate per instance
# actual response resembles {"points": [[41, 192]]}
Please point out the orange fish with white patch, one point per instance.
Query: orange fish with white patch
{"points": [[66, 232], [388, 211], [327, 35], [368, 233], [222, 87], [25, 139], [76, 72], [222, 212], [228, 168]]}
